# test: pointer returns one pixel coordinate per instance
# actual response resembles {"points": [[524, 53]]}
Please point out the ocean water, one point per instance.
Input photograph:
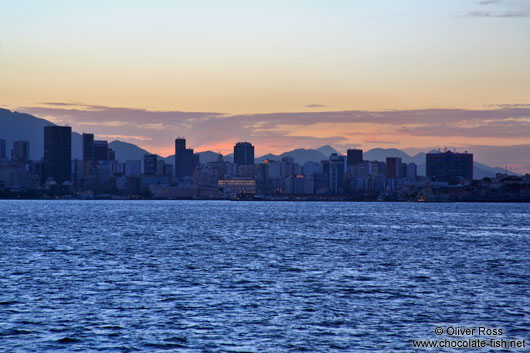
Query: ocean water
{"points": [[221, 276]]}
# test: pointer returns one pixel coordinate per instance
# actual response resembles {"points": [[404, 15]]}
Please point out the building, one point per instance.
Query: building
{"points": [[20, 152], [57, 153], [88, 147], [334, 169], [237, 185], [133, 168], [449, 166], [150, 164], [243, 154], [354, 157], [393, 167], [2, 148], [101, 150], [184, 160], [412, 172]]}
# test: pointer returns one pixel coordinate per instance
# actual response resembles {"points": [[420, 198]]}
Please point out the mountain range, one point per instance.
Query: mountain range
{"points": [[20, 126]]}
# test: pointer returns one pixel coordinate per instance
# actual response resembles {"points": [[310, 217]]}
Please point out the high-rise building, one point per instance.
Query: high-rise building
{"points": [[243, 154], [58, 153], [20, 151], [88, 147], [101, 150], [150, 164], [412, 171], [184, 160], [334, 169], [393, 167], [449, 166], [2, 148], [354, 157]]}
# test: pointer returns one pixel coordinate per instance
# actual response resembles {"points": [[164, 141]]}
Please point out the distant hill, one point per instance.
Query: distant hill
{"points": [[299, 155], [127, 151], [19, 126]]}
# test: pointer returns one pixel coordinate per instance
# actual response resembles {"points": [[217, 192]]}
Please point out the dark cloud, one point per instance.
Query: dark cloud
{"points": [[489, 2]]}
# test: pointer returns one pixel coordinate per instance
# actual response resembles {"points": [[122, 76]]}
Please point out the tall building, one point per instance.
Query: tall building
{"points": [[449, 166], [150, 164], [412, 172], [393, 167], [58, 153], [184, 160], [334, 169], [2, 148], [20, 151], [88, 147], [354, 157], [243, 154], [101, 150]]}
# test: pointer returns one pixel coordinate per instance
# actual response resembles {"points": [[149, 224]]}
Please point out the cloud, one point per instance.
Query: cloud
{"points": [[316, 106], [272, 133], [489, 2], [498, 14]]}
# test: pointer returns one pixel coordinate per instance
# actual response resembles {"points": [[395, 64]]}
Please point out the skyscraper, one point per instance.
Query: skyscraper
{"points": [[101, 150], [354, 157], [150, 164], [393, 167], [183, 159], [88, 147], [2, 148], [449, 166], [243, 154], [20, 151], [58, 153]]}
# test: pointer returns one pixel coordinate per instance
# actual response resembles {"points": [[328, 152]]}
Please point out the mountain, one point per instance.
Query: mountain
{"points": [[205, 157], [19, 126], [327, 150], [299, 155], [380, 154], [127, 151]]}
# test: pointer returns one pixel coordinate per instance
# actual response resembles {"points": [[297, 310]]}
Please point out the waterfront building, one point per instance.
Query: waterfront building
{"points": [[150, 164], [133, 168], [243, 154], [334, 169], [2, 149], [311, 168], [88, 147], [20, 152], [237, 185], [354, 157], [412, 172], [57, 153], [449, 166], [393, 167], [184, 159]]}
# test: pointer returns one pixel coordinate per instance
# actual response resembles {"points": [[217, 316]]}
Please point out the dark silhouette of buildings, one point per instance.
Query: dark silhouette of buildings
{"points": [[88, 147], [20, 151], [243, 154], [354, 157], [184, 159], [393, 167], [101, 150], [58, 153], [150, 164], [449, 166], [2, 148]]}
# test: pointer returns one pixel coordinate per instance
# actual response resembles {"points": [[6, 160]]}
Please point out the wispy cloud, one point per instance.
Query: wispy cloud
{"points": [[316, 106], [498, 14], [156, 130], [489, 2]]}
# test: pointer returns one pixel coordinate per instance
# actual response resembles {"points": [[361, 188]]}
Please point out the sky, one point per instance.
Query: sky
{"points": [[410, 74]]}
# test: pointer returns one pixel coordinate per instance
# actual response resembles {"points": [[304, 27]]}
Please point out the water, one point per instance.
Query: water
{"points": [[194, 276]]}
